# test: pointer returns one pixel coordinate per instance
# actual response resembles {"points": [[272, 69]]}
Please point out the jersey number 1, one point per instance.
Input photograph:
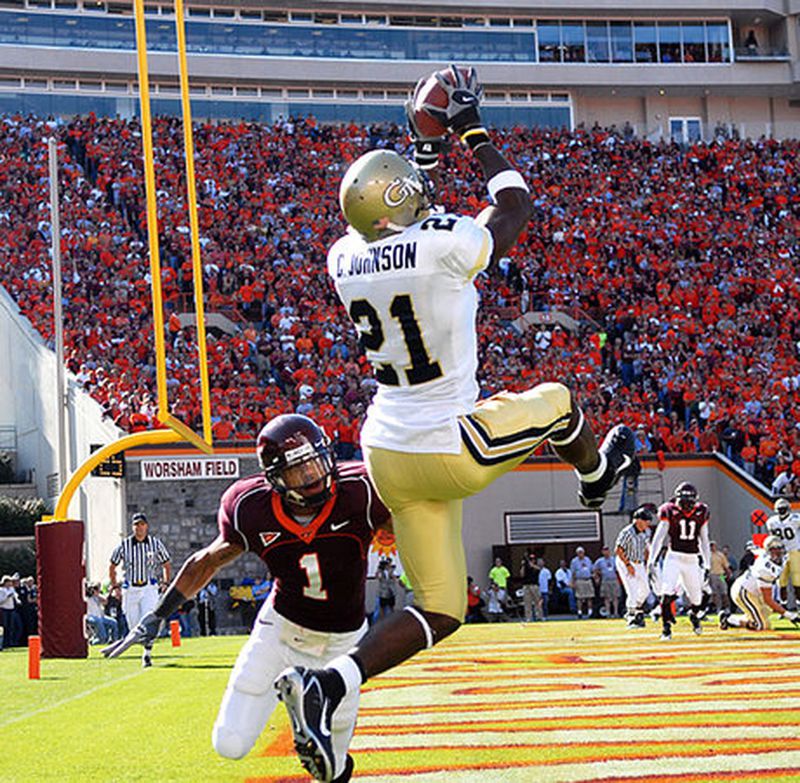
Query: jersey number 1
{"points": [[310, 564], [421, 369]]}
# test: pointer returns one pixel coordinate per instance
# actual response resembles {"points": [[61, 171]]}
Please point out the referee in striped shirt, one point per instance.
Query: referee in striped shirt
{"points": [[631, 551], [146, 562]]}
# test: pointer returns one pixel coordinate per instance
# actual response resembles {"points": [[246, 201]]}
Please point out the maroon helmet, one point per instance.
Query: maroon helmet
{"points": [[686, 495], [297, 460]]}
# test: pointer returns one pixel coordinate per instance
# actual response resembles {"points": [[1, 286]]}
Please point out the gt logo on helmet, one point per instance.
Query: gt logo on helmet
{"points": [[400, 189]]}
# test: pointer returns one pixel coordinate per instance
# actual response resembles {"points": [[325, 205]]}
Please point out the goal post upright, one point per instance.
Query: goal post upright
{"points": [[194, 223], [205, 443]]}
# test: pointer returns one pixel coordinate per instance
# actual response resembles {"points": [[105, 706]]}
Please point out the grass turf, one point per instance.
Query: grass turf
{"points": [[560, 701]]}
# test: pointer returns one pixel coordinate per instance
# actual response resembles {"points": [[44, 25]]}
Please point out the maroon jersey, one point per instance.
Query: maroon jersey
{"points": [[684, 526], [319, 568]]}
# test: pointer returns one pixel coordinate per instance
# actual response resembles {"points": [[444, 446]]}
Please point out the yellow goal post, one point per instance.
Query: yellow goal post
{"points": [[176, 430]]}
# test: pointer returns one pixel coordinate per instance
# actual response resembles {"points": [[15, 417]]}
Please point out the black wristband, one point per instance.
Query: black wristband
{"points": [[475, 137], [169, 603], [426, 152]]}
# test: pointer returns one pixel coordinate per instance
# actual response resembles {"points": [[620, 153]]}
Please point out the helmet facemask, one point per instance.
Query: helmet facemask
{"points": [[783, 508], [304, 477]]}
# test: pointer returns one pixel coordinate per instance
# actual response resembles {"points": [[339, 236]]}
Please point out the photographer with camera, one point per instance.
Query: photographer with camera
{"points": [[387, 583]]}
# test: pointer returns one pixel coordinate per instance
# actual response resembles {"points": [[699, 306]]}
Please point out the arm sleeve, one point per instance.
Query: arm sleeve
{"points": [[227, 526], [705, 546], [163, 553], [116, 555], [658, 542]]}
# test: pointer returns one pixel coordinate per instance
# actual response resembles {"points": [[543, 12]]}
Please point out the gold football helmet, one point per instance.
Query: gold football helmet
{"points": [[776, 548], [382, 193]]}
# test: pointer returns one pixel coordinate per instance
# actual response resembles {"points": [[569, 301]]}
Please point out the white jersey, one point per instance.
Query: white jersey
{"points": [[413, 301], [763, 573], [788, 530]]}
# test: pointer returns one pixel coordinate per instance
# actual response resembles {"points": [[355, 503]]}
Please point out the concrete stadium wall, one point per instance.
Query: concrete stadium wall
{"points": [[28, 403]]}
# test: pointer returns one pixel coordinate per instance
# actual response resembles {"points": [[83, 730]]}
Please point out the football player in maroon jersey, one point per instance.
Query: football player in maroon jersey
{"points": [[312, 524], [683, 529]]}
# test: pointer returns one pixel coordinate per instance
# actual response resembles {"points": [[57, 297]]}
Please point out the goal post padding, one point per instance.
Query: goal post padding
{"points": [[61, 570]]}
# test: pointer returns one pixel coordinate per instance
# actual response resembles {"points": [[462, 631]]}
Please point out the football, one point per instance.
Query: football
{"points": [[432, 93]]}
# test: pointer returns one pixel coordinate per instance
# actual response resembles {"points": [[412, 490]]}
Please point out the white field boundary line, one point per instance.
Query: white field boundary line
{"points": [[72, 698]]}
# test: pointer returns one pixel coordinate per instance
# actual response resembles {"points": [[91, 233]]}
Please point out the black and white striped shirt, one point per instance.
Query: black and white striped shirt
{"points": [[142, 560], [633, 543]]}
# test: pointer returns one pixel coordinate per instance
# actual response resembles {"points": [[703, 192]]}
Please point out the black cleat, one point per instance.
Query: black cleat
{"points": [[666, 634], [636, 621], [311, 697], [147, 660], [619, 447], [723, 621], [697, 626]]}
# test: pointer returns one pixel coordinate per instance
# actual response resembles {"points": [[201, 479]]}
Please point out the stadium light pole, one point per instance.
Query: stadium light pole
{"points": [[55, 234]]}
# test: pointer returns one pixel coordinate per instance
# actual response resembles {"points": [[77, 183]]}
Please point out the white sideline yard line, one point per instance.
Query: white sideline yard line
{"points": [[72, 698]]}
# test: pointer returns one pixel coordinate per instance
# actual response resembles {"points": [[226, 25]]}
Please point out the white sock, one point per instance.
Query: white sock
{"points": [[349, 671], [597, 473]]}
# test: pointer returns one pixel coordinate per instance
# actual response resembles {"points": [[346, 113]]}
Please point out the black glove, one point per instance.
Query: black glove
{"points": [[793, 617], [144, 633], [463, 101], [426, 148]]}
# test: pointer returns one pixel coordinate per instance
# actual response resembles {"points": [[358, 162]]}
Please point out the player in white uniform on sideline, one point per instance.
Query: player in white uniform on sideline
{"points": [[752, 591], [785, 524], [406, 277]]}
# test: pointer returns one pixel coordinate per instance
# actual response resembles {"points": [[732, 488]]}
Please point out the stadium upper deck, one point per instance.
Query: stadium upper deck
{"points": [[666, 68]]}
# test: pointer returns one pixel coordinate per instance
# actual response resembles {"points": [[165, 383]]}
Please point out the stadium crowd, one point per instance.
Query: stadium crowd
{"points": [[678, 263]]}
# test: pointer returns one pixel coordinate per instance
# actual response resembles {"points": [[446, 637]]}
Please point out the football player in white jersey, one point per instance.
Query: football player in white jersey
{"points": [[785, 524], [406, 277], [752, 591]]}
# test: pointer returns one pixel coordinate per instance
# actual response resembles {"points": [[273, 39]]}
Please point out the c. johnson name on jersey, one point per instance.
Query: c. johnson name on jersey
{"points": [[389, 258]]}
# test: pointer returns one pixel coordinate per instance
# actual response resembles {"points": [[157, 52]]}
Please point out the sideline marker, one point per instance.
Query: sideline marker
{"points": [[175, 632], [34, 657]]}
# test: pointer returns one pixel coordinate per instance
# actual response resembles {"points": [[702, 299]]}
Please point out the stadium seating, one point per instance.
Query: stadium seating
{"points": [[677, 264]]}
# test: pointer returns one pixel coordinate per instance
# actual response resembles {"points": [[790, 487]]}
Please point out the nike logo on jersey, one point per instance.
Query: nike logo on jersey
{"points": [[340, 525], [269, 538]]}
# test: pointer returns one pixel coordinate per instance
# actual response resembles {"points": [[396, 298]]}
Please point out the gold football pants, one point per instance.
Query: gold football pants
{"points": [[425, 491]]}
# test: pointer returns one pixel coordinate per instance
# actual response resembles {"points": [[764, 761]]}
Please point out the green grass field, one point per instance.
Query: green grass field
{"points": [[558, 701]]}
